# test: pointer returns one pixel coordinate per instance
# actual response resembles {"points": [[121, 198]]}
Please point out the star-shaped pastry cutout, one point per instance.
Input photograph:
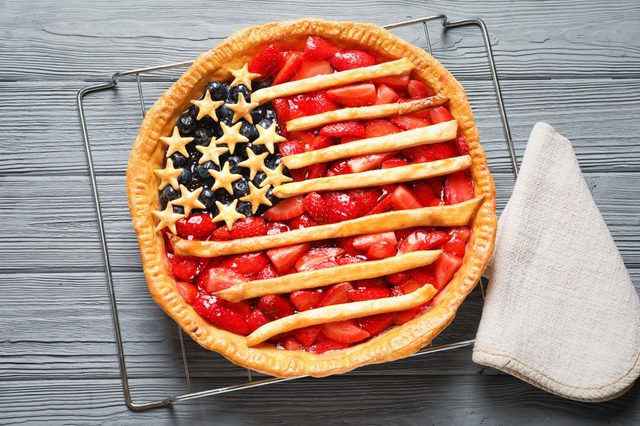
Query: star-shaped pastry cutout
{"points": [[167, 218], [243, 76], [228, 214], [169, 175], [275, 176], [231, 136], [176, 143], [253, 162], [207, 106], [268, 137], [212, 152], [242, 109], [224, 178], [189, 200], [256, 197]]}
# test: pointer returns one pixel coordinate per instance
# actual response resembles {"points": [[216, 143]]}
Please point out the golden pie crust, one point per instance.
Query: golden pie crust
{"points": [[142, 186]]}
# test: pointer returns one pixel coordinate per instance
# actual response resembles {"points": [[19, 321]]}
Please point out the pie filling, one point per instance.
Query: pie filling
{"points": [[269, 153]]}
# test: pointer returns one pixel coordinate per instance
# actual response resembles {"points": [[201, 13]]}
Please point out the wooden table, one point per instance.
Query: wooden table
{"points": [[574, 64]]}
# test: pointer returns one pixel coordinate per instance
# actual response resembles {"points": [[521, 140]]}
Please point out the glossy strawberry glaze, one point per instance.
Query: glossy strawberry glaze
{"points": [[197, 277]]}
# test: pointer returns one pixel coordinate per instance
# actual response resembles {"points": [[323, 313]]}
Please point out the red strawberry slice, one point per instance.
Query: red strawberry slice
{"points": [[337, 206], [322, 141], [384, 205], [303, 300], [350, 258], [411, 285], [339, 167], [310, 104], [286, 209], [344, 332], [324, 344], [283, 258], [402, 199], [423, 240], [424, 153], [362, 163], [268, 62], [216, 279], [189, 292], [421, 276], [198, 225], [317, 255], [322, 265], [276, 228], [267, 273], [306, 138], [291, 344], [350, 59], [347, 139], [368, 293], [345, 128], [336, 294], [440, 114], [425, 194], [417, 89], [281, 106], [317, 170], [291, 147], [319, 48], [406, 316], [458, 187], [184, 268], [444, 268], [381, 250], [222, 314], [461, 145], [246, 264], [393, 162], [307, 335], [377, 128], [275, 306], [303, 221], [364, 242], [376, 324], [408, 122], [397, 278], [458, 241], [385, 95], [355, 95], [399, 82], [243, 228], [311, 68], [289, 68], [256, 320]]}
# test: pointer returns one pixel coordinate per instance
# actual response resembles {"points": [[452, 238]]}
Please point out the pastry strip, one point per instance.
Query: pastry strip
{"points": [[435, 133], [364, 113], [342, 312], [375, 177], [336, 274], [453, 215], [387, 69]]}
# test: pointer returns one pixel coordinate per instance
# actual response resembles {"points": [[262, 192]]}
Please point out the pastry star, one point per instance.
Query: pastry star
{"points": [[231, 136], [176, 143], [275, 176], [167, 218], [256, 197], [268, 137], [228, 214], [211, 152], [189, 200], [253, 162], [207, 106], [224, 178], [169, 175], [243, 76], [242, 109]]}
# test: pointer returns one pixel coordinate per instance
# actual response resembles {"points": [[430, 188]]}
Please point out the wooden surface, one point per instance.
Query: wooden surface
{"points": [[575, 64]]}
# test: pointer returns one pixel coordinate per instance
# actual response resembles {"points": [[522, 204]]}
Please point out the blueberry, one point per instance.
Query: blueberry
{"points": [[194, 157], [186, 123], [218, 91], [249, 131], [265, 123], [178, 209], [274, 200], [257, 114], [223, 196], [185, 177], [272, 161], [233, 161], [259, 178], [235, 91], [261, 84], [225, 115], [193, 111], [244, 208], [240, 188], [258, 149], [178, 160], [207, 197], [202, 170], [270, 114], [208, 124], [167, 194], [202, 136]]}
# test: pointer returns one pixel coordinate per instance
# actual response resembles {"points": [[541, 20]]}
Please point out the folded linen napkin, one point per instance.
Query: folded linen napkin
{"points": [[561, 312]]}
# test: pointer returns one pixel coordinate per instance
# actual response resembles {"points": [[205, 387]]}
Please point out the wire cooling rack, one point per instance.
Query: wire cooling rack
{"points": [[251, 382]]}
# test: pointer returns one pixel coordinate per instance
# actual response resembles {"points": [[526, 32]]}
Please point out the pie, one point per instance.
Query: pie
{"points": [[310, 197]]}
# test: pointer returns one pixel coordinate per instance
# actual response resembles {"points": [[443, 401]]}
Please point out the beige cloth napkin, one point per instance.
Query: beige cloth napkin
{"points": [[561, 312]]}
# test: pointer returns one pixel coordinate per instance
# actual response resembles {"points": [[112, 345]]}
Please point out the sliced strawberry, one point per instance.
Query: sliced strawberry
{"points": [[345, 128], [350, 59], [406, 316], [307, 335], [222, 314], [412, 285], [311, 68], [184, 268], [187, 291], [458, 187], [436, 151], [346, 244], [246, 264], [384, 205], [344, 331], [355, 95], [363, 163], [425, 194], [376, 324], [393, 162], [461, 232], [324, 344], [276, 228], [323, 265], [303, 221], [422, 275], [275, 306], [243, 228], [319, 48], [457, 242], [363, 242], [444, 268], [336, 206], [291, 147], [198, 225], [385, 95], [402, 199], [381, 250], [310, 104], [291, 344], [376, 128], [267, 62], [350, 258], [336, 294], [339, 167], [283, 258], [399, 82], [417, 89], [289, 68], [461, 145], [303, 300], [256, 320], [397, 278], [306, 138], [347, 139], [408, 122], [286, 209], [317, 255], [440, 114], [267, 273], [423, 240], [368, 293], [322, 141], [281, 106], [216, 279]]}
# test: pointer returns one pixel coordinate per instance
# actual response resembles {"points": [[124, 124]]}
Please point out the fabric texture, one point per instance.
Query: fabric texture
{"points": [[561, 311]]}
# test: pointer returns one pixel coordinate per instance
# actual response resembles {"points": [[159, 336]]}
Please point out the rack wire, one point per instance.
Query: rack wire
{"points": [[251, 383]]}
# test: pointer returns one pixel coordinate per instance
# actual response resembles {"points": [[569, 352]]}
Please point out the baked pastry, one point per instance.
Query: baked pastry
{"points": [[310, 197]]}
